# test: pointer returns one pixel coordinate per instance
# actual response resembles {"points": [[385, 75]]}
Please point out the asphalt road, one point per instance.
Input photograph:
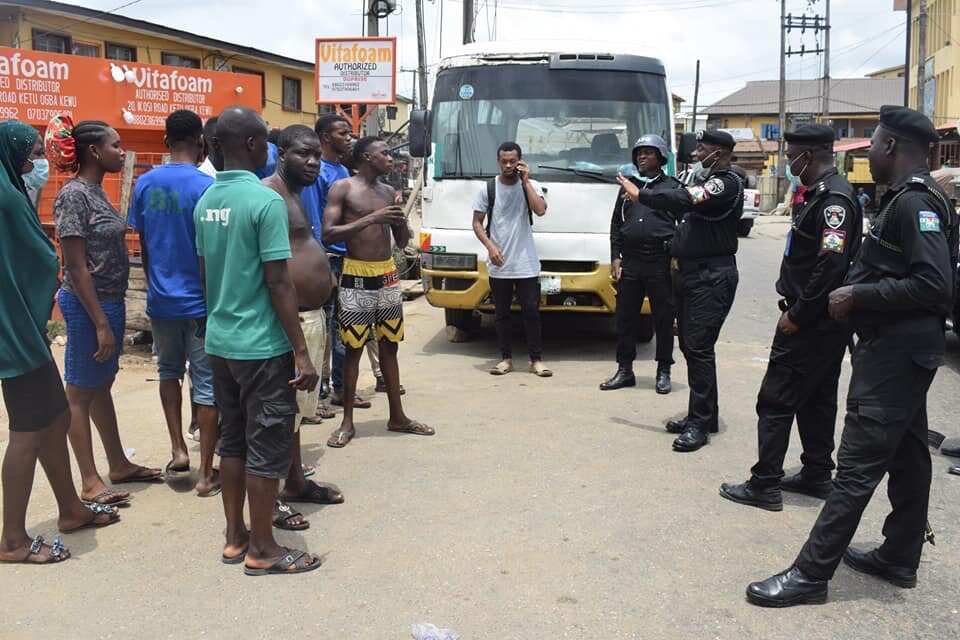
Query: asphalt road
{"points": [[542, 509]]}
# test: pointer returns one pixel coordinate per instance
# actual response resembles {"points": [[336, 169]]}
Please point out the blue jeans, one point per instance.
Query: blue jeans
{"points": [[337, 350]]}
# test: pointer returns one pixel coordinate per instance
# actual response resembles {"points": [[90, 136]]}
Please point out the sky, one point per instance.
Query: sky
{"points": [[736, 40]]}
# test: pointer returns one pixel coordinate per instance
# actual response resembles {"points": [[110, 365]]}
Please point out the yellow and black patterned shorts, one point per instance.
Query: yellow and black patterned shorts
{"points": [[371, 303]]}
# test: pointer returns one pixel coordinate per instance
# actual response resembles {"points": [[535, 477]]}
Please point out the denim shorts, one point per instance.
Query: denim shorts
{"points": [[177, 343], [257, 409]]}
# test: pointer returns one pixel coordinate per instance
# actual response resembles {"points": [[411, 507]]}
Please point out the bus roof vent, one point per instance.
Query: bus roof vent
{"points": [[606, 62]]}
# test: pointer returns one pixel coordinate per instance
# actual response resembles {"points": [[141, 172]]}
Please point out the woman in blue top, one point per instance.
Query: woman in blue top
{"points": [[32, 391]]}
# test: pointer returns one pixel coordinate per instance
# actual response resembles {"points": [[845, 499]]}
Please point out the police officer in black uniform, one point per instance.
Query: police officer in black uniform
{"points": [[640, 264], [897, 294], [808, 346], [704, 249]]}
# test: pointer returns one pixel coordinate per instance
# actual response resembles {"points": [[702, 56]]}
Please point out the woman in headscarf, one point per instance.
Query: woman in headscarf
{"points": [[32, 391], [96, 269]]}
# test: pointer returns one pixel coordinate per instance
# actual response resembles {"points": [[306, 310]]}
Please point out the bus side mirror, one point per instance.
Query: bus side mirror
{"points": [[420, 146], [688, 144]]}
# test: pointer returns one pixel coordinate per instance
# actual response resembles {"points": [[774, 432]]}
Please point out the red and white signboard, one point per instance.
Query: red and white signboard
{"points": [[356, 70]]}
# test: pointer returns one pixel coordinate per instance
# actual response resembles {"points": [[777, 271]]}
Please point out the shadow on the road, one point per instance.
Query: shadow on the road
{"points": [[661, 428], [850, 586], [566, 337]]}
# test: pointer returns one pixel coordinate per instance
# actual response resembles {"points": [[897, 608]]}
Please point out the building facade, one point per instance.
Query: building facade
{"points": [[941, 93]]}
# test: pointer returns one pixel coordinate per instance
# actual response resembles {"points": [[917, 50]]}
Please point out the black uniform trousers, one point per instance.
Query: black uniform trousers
{"points": [[801, 381], [885, 431], [705, 291], [642, 277]]}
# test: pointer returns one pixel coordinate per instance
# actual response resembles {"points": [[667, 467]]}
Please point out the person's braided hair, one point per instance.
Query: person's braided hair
{"points": [[87, 133]]}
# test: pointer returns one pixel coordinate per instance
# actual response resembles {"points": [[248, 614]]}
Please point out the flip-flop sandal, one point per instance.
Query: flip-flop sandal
{"points": [[171, 469], [308, 470], [98, 510], [58, 552], [339, 439], [140, 477], [282, 514], [316, 494], [415, 428], [237, 559], [211, 493], [101, 499], [294, 562], [501, 369]]}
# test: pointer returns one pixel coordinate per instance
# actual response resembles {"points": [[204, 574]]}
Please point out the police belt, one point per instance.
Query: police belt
{"points": [[659, 248], [924, 324], [696, 264]]}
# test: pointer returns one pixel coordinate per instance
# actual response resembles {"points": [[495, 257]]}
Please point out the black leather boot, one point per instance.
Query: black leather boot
{"points": [[663, 379], [622, 378], [787, 589], [691, 440], [769, 498], [871, 563], [797, 483]]}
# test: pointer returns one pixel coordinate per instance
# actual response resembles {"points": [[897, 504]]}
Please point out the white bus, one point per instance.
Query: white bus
{"points": [[576, 109]]}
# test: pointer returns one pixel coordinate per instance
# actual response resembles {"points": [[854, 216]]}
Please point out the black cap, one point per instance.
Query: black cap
{"points": [[719, 138], [909, 124], [811, 134]]}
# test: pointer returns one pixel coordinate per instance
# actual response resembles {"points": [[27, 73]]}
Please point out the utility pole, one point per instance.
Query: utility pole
{"points": [[696, 97], [906, 55], [467, 21], [922, 60], [787, 24], [421, 57], [781, 160], [373, 30], [825, 118]]}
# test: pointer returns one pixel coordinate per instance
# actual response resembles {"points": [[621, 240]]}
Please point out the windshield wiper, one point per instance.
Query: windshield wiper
{"points": [[595, 175]]}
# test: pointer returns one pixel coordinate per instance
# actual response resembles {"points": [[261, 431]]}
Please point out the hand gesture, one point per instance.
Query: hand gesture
{"points": [[392, 215], [307, 377], [523, 170], [631, 190], [841, 303], [616, 269], [106, 344], [496, 257], [786, 325]]}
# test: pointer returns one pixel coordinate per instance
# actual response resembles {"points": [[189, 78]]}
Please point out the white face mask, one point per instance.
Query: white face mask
{"points": [[38, 177]]}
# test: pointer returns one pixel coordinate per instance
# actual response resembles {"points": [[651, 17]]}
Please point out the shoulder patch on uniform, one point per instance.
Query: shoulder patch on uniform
{"points": [[833, 240], [929, 221], [698, 194], [835, 215], [714, 186]]}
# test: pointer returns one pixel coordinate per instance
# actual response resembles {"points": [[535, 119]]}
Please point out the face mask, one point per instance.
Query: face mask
{"points": [[37, 179], [794, 181], [795, 176]]}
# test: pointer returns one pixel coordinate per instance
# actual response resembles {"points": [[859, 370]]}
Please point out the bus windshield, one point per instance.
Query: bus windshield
{"points": [[566, 119]]}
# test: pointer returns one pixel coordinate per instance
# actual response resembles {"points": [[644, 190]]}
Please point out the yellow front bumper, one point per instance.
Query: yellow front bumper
{"points": [[471, 290]]}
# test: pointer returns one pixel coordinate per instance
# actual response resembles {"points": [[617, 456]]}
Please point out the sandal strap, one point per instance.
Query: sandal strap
{"points": [[36, 545], [57, 550]]}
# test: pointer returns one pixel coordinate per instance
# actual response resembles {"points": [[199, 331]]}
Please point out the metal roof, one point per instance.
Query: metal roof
{"points": [[111, 19], [847, 96]]}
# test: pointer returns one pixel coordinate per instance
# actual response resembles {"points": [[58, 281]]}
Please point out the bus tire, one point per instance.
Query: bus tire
{"points": [[462, 319], [646, 329]]}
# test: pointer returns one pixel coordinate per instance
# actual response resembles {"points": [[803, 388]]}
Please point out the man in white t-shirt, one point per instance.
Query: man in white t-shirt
{"points": [[513, 263]]}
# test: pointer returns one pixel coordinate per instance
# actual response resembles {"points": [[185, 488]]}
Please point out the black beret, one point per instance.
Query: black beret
{"points": [[719, 138], [909, 124], [812, 134]]}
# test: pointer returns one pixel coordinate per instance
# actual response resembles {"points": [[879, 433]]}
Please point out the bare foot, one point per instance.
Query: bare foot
{"points": [[135, 473], [179, 462], [342, 436], [98, 516], [237, 546], [102, 494], [209, 487]]}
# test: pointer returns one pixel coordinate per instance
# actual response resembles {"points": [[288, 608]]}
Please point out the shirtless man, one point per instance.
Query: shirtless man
{"points": [[298, 165], [361, 211]]}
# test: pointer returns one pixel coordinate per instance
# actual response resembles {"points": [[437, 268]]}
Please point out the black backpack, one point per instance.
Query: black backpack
{"points": [[491, 198]]}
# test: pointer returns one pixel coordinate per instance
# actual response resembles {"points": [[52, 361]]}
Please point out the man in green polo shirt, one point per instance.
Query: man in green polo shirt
{"points": [[257, 350]]}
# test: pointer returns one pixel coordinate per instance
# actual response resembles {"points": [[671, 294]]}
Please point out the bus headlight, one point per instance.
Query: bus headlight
{"points": [[449, 261]]}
